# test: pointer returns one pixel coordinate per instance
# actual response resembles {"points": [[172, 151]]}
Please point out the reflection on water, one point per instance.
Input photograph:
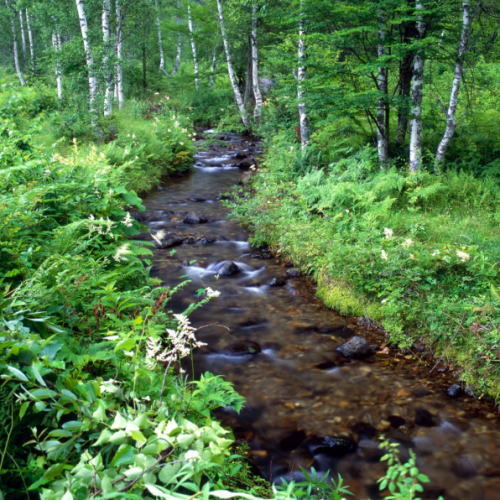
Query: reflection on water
{"points": [[306, 404]]}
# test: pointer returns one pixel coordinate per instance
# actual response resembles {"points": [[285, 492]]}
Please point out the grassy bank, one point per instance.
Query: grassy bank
{"points": [[418, 253]]}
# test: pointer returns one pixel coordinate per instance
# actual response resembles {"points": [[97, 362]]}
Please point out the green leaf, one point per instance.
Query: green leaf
{"points": [[43, 393], [23, 409], [124, 456], [37, 375], [18, 373]]}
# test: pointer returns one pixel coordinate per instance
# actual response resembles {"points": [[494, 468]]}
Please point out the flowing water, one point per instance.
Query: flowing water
{"points": [[306, 405]]}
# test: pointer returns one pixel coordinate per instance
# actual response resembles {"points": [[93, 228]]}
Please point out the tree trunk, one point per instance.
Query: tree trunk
{"points": [[89, 58], [15, 52], [144, 69], [255, 67], [23, 35], [178, 49], [213, 66], [160, 38], [106, 60], [193, 48], [301, 75], [56, 44], [230, 68], [455, 88], [417, 86], [382, 118], [30, 41], [405, 76], [119, 55]]}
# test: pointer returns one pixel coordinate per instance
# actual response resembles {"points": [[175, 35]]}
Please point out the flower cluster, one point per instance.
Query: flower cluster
{"points": [[101, 226]]}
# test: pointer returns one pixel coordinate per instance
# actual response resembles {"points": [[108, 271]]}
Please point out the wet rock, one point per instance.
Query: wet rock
{"points": [[244, 348], [465, 466], [206, 241], [245, 164], [356, 347], [396, 421], [454, 391], [194, 218], [424, 418], [326, 365], [420, 393], [369, 450], [293, 273], [227, 269], [277, 282], [198, 199], [339, 330], [364, 430], [332, 446], [292, 440], [169, 241], [190, 241]]}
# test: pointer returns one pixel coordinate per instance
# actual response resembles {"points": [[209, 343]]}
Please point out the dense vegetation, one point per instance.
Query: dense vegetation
{"points": [[379, 177]]}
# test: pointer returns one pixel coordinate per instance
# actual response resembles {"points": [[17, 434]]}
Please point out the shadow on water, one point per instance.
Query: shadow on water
{"points": [[307, 405]]}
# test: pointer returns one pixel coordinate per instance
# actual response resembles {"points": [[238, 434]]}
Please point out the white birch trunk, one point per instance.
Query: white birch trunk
{"points": [[193, 48], [417, 85], [15, 52], [455, 87], [30, 41], [178, 49], [23, 34], [255, 67], [89, 58], [160, 38], [106, 61], [56, 44], [230, 69], [120, 97], [301, 76], [382, 132]]}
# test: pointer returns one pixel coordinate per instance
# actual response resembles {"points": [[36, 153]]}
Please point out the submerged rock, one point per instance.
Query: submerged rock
{"points": [[194, 218], [454, 391], [277, 282], [424, 418], [228, 268], [244, 348], [332, 446], [293, 273], [356, 347]]}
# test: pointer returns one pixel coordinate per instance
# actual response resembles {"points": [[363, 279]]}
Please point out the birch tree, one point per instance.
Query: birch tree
{"points": [[178, 47], [15, 52], [31, 42], [455, 87], [255, 65], [160, 38], [89, 58], [56, 45], [120, 97], [301, 76], [193, 47], [23, 34], [230, 68], [417, 86], [107, 60], [382, 86]]}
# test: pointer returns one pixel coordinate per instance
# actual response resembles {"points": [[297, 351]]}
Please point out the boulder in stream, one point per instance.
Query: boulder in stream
{"points": [[277, 282], [454, 391], [194, 218], [356, 347], [227, 269], [332, 446]]}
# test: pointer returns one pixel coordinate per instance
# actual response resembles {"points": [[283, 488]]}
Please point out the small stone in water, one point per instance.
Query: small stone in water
{"points": [[277, 282], [293, 273], [454, 391], [356, 347], [332, 446], [193, 218], [228, 269], [424, 418]]}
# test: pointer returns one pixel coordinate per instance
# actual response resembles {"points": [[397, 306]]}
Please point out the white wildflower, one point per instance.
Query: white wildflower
{"points": [[407, 243], [383, 255], [119, 255], [347, 211], [153, 347], [212, 294], [192, 455], [463, 256], [435, 253], [128, 220], [389, 233]]}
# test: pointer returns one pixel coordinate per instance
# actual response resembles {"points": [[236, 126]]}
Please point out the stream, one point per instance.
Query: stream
{"points": [[307, 404]]}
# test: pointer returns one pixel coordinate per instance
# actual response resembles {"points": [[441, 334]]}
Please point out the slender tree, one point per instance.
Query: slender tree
{"points": [[15, 52], [107, 60], [255, 65], [382, 85], [31, 41], [455, 87], [56, 45], [230, 68], [301, 76], [89, 58], [160, 37], [23, 34], [417, 87], [193, 47], [120, 96], [178, 47]]}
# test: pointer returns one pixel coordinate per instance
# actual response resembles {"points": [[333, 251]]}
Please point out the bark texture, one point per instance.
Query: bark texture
{"points": [[194, 51], [31, 42], [382, 86], [15, 51], [455, 87], [160, 38], [230, 69], [23, 34], [56, 45], [107, 70], [120, 97], [178, 48], [417, 87], [301, 76], [255, 66]]}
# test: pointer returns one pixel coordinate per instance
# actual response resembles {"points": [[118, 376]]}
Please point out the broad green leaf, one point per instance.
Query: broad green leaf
{"points": [[18, 373]]}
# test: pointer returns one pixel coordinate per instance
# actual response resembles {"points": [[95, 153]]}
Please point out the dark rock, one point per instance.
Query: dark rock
{"points": [[190, 241], [244, 348], [465, 466], [292, 440], [206, 241], [198, 199], [364, 430], [396, 421], [331, 446], [170, 241], [227, 268], [277, 282], [245, 164], [454, 391], [469, 392], [420, 393], [193, 218], [240, 155], [369, 450], [293, 273], [424, 418], [356, 347], [261, 255], [326, 365]]}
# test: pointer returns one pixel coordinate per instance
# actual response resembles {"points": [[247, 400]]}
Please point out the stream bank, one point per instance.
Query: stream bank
{"points": [[307, 403]]}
